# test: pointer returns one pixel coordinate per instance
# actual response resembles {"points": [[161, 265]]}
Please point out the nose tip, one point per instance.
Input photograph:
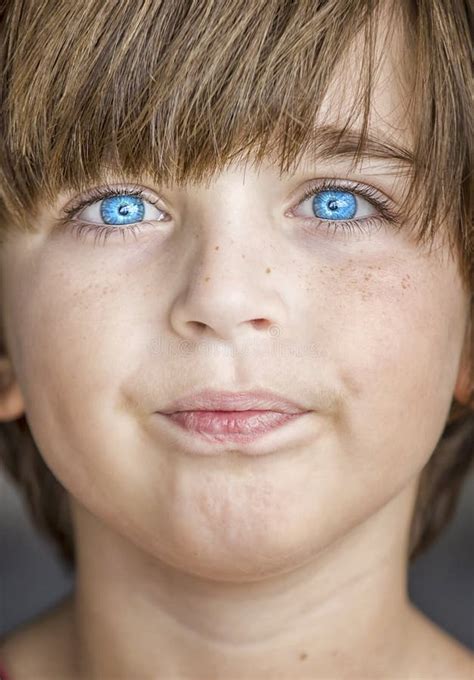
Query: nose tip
{"points": [[227, 296]]}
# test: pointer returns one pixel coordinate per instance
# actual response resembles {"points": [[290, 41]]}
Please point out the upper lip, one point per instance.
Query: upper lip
{"points": [[255, 400]]}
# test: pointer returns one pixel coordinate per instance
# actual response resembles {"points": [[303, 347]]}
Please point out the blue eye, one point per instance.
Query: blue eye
{"points": [[125, 209], [116, 207], [334, 205]]}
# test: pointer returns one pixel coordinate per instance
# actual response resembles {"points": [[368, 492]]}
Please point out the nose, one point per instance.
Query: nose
{"points": [[229, 293]]}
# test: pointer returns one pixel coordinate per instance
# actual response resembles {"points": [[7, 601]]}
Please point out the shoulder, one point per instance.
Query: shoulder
{"points": [[439, 655], [40, 647]]}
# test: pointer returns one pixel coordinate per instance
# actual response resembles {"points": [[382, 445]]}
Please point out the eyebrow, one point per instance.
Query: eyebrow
{"points": [[330, 142]]}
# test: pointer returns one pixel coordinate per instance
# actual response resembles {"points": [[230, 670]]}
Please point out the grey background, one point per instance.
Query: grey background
{"points": [[441, 581]]}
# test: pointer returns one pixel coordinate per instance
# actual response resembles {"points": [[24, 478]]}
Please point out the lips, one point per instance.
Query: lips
{"points": [[238, 417], [256, 400], [236, 425]]}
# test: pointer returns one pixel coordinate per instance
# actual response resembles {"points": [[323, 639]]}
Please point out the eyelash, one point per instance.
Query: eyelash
{"points": [[387, 215], [81, 229]]}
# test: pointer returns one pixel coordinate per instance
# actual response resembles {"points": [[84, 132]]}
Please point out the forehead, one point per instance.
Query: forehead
{"points": [[387, 78]]}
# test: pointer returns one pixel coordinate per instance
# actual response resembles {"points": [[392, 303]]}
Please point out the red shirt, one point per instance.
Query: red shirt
{"points": [[3, 674]]}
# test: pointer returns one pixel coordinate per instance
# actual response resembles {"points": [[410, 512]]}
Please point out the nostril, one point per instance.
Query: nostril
{"points": [[260, 324], [201, 327]]}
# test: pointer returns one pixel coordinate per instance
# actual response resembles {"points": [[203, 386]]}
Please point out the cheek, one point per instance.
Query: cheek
{"points": [[390, 338], [73, 346]]}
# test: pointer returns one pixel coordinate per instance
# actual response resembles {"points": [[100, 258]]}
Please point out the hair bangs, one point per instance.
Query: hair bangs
{"points": [[173, 90], [178, 90]]}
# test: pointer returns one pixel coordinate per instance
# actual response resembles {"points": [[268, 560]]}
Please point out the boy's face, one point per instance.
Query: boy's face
{"points": [[364, 329]]}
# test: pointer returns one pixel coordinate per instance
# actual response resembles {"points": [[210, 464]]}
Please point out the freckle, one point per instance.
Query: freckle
{"points": [[243, 257], [268, 270], [406, 282], [303, 656], [216, 248], [208, 278]]}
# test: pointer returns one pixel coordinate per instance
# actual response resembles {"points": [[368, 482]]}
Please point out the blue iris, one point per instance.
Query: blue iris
{"points": [[334, 205], [122, 209]]}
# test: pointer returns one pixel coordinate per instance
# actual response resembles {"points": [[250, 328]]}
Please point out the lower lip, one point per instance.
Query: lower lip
{"points": [[231, 426]]}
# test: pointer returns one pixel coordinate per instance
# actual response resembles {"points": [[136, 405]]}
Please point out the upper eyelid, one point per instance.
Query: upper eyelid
{"points": [[96, 194], [358, 188], [380, 200]]}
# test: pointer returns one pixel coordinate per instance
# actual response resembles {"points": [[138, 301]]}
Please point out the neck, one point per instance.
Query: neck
{"points": [[341, 611]]}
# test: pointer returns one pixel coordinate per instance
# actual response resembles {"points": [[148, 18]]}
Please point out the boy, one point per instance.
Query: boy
{"points": [[237, 274]]}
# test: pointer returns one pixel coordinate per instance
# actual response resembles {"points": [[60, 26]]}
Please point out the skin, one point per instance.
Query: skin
{"points": [[289, 565]]}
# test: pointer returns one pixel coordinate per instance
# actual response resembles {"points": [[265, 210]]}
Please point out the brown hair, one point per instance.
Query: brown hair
{"points": [[178, 89]]}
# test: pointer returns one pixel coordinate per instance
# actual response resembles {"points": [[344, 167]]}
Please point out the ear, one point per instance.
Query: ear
{"points": [[12, 405], [464, 390]]}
